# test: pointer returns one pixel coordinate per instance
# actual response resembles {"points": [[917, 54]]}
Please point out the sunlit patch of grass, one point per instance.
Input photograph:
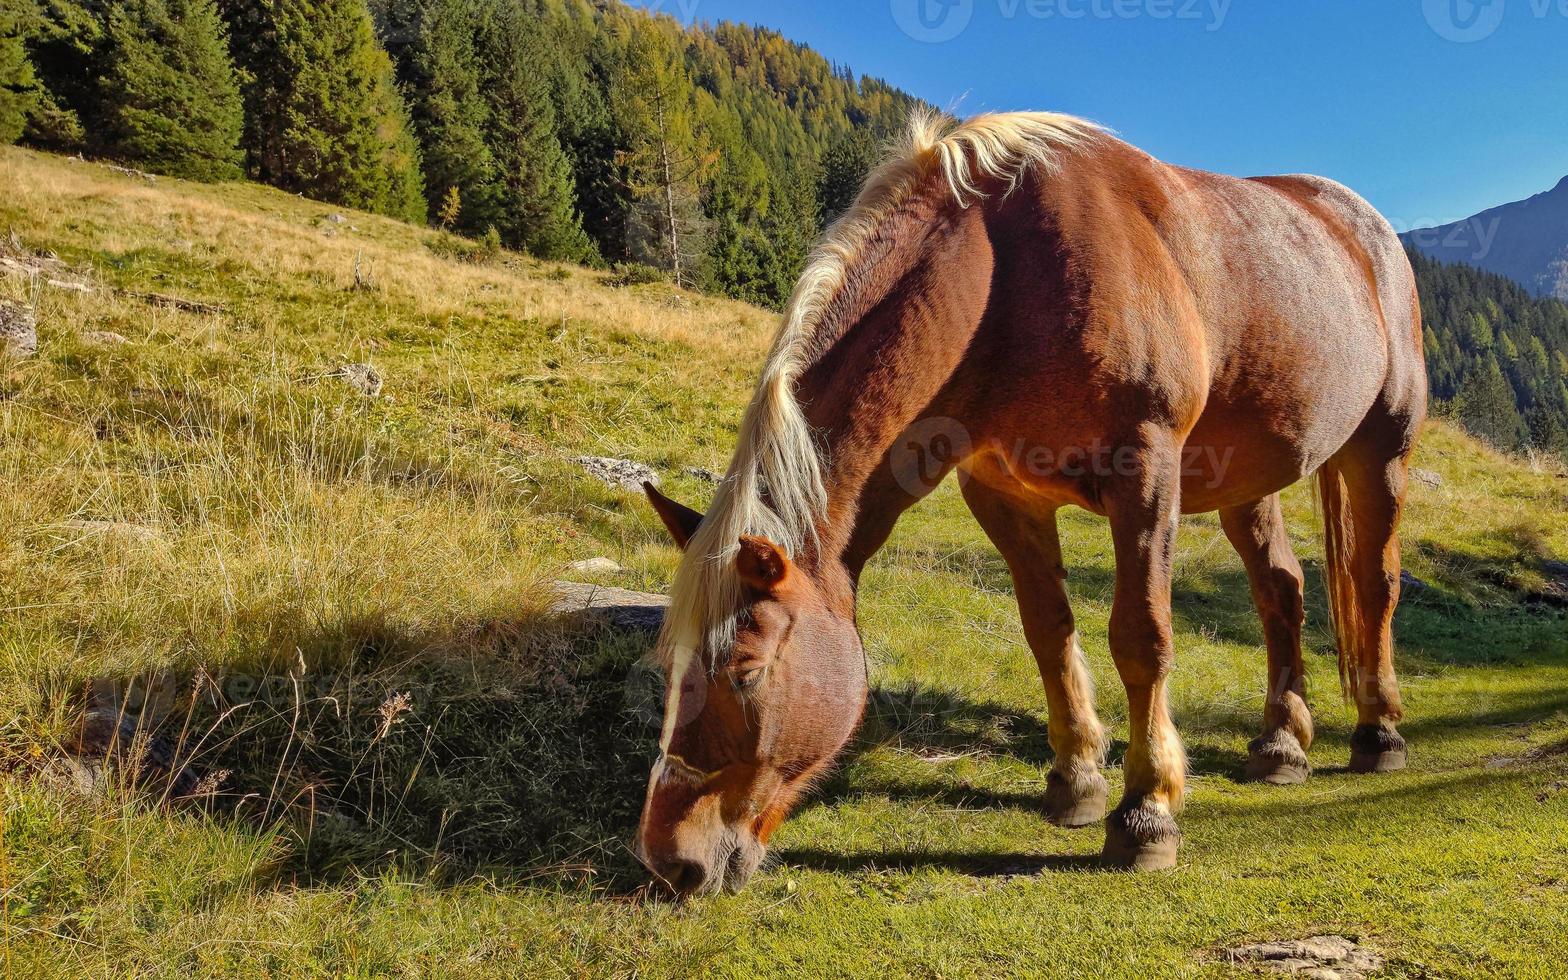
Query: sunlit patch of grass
{"points": [[343, 602]]}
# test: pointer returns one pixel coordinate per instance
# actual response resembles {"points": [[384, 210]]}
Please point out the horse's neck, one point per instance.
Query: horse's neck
{"points": [[887, 370]]}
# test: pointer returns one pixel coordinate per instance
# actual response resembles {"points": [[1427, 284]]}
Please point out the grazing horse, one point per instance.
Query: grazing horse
{"points": [[1063, 320]]}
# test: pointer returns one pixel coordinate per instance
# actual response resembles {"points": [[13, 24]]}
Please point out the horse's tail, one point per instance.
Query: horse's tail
{"points": [[1339, 554]]}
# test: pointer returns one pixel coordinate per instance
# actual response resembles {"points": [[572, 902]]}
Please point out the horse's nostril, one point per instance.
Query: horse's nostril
{"points": [[683, 877]]}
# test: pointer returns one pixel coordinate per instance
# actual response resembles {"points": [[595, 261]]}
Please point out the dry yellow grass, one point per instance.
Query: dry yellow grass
{"points": [[204, 496]]}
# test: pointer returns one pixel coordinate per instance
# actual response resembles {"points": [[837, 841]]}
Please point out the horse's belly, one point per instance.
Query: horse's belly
{"points": [[1244, 450], [1218, 474]]}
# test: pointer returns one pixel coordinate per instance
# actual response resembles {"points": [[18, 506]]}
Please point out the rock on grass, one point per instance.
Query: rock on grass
{"points": [[1319, 957], [621, 473], [362, 378], [638, 612], [595, 566], [18, 329]]}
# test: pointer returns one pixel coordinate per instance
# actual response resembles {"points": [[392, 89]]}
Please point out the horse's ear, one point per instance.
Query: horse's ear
{"points": [[681, 520], [761, 563]]}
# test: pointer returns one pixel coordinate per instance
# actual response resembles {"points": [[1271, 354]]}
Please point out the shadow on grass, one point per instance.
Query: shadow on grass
{"points": [[1291, 827], [518, 750], [974, 865]]}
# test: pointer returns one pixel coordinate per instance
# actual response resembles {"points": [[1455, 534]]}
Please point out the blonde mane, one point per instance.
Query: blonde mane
{"points": [[775, 486]]}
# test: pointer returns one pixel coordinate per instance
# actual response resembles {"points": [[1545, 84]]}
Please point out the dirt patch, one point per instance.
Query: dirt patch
{"points": [[1318, 957]]}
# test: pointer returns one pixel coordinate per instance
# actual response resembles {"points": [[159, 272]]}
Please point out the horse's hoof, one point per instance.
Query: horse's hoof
{"points": [[1377, 748], [1277, 759], [1140, 839], [1369, 762], [1074, 802], [1276, 771]]}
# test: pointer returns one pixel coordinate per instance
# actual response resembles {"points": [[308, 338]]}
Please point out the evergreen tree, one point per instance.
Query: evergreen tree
{"points": [[844, 168], [1547, 432], [665, 159], [533, 206], [18, 86], [65, 47], [1472, 321], [587, 129], [441, 75], [170, 99], [1486, 407], [323, 116]]}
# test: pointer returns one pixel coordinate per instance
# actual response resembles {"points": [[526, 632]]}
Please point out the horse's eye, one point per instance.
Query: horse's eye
{"points": [[745, 680]]}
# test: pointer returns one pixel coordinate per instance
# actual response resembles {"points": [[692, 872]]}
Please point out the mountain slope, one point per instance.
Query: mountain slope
{"points": [[1527, 241]]}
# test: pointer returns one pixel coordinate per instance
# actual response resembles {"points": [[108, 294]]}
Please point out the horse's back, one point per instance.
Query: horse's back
{"points": [[1313, 324], [1399, 305], [1263, 319]]}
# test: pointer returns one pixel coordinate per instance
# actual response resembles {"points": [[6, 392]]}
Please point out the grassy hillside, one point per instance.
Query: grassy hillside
{"points": [[342, 600]]}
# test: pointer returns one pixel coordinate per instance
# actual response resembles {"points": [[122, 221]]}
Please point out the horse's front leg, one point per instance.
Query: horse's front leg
{"points": [[1076, 792], [1144, 510]]}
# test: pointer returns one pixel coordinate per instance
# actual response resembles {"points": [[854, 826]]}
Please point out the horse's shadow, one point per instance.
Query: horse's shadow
{"points": [[522, 750]]}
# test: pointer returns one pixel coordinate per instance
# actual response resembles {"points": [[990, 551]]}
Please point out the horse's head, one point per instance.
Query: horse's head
{"points": [[746, 729]]}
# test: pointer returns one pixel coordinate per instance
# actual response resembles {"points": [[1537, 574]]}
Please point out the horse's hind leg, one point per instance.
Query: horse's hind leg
{"points": [[1257, 531], [1076, 792], [1363, 489]]}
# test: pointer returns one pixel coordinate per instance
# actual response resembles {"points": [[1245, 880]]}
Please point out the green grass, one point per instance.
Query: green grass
{"points": [[297, 556]]}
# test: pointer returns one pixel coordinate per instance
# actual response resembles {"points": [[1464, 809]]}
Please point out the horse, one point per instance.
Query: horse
{"points": [[1062, 320]]}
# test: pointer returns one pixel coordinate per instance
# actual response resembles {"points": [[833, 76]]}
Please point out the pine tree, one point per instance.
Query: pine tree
{"points": [[18, 85], [664, 160], [170, 99], [534, 205], [1487, 408], [323, 116], [1547, 432], [64, 44], [844, 168], [441, 75], [587, 130]]}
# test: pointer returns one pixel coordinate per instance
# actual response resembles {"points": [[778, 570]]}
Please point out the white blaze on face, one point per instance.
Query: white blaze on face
{"points": [[680, 663], [682, 655]]}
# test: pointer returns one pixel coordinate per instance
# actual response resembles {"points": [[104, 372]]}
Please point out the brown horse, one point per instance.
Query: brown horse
{"points": [[1063, 320]]}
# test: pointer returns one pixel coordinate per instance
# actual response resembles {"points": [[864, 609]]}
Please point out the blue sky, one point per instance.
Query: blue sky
{"points": [[1432, 109]]}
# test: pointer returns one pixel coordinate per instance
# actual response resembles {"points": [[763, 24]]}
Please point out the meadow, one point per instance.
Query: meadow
{"points": [[337, 608]]}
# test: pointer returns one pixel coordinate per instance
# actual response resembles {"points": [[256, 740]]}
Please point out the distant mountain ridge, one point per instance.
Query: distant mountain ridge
{"points": [[1526, 241]]}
